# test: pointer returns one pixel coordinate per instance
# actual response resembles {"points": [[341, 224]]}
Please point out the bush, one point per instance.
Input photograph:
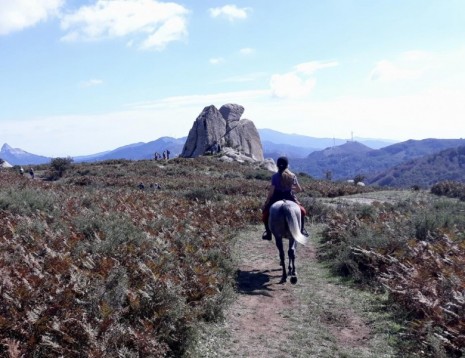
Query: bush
{"points": [[28, 201], [450, 189], [59, 167], [203, 195]]}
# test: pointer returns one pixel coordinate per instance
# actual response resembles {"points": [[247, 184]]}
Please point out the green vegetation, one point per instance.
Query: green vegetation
{"points": [[93, 265], [415, 249], [59, 166]]}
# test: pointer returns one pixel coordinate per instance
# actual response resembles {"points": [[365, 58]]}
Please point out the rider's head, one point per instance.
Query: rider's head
{"points": [[282, 164]]}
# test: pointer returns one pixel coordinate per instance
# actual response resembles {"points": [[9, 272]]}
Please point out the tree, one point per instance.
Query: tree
{"points": [[329, 175], [59, 166], [359, 178]]}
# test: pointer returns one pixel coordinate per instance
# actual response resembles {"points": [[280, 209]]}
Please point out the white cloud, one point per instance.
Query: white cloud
{"points": [[90, 83], [309, 68], [387, 71], [407, 66], [159, 23], [216, 60], [230, 12], [199, 101], [16, 15], [290, 85], [172, 30], [246, 51], [297, 83]]}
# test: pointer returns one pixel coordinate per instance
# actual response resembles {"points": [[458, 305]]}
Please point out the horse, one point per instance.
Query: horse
{"points": [[284, 222]]}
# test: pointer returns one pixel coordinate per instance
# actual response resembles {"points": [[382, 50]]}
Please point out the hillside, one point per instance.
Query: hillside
{"points": [[133, 258], [448, 164], [340, 162], [347, 161]]}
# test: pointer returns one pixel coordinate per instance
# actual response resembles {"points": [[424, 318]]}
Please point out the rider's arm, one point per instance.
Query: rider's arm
{"points": [[270, 194], [296, 188]]}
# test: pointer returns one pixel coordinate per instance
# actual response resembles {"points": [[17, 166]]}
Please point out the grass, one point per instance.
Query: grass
{"points": [[328, 304], [91, 263], [414, 248]]}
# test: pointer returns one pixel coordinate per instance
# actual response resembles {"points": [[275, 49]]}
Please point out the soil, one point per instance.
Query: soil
{"points": [[313, 318]]}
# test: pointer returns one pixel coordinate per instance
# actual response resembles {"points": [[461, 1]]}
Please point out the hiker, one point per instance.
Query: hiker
{"points": [[164, 155], [283, 186], [31, 173], [216, 148], [155, 186], [168, 154]]}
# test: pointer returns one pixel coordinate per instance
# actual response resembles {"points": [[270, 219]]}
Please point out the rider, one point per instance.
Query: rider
{"points": [[283, 186]]}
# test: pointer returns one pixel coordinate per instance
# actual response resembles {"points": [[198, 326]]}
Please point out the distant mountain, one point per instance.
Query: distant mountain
{"points": [[353, 158], [139, 151], [276, 150], [448, 164], [16, 156], [313, 143], [381, 166], [136, 151]]}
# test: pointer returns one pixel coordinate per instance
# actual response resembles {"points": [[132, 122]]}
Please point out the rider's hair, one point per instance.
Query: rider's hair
{"points": [[287, 179], [282, 164]]}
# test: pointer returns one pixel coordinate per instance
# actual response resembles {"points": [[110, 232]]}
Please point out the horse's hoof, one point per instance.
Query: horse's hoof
{"points": [[283, 280], [294, 280]]}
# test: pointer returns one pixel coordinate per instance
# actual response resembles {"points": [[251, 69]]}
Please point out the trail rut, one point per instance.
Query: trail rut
{"points": [[316, 317]]}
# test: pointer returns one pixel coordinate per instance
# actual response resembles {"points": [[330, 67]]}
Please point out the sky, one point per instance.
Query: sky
{"points": [[80, 77]]}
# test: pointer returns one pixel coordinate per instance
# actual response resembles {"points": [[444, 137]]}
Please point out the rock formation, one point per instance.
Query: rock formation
{"points": [[214, 129], [4, 164]]}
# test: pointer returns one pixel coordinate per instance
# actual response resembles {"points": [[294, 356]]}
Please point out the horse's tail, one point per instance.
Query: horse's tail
{"points": [[293, 223]]}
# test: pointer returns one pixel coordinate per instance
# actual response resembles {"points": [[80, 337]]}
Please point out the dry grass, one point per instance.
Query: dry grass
{"points": [[92, 265]]}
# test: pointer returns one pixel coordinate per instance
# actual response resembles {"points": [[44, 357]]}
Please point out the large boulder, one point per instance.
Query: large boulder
{"points": [[232, 112], [208, 129], [224, 128], [244, 137]]}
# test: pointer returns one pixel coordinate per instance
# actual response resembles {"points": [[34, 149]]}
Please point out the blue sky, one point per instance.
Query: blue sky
{"points": [[83, 76]]}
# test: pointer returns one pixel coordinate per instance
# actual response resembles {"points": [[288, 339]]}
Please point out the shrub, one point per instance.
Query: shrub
{"points": [[450, 189], [59, 166], [415, 249], [203, 195], [28, 201], [259, 174]]}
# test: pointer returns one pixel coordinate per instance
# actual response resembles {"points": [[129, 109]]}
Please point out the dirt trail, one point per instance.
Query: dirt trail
{"points": [[317, 317]]}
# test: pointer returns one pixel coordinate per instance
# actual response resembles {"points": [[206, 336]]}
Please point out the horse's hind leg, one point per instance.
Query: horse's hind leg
{"points": [[291, 254], [282, 258]]}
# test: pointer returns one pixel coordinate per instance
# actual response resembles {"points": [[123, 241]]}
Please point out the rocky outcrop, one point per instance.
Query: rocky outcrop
{"points": [[231, 155], [232, 112], [219, 129], [4, 164]]}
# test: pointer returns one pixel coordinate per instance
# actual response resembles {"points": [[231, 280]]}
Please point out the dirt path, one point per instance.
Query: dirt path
{"points": [[317, 317]]}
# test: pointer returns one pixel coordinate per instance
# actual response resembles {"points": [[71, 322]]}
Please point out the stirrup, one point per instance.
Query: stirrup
{"points": [[304, 232], [266, 236]]}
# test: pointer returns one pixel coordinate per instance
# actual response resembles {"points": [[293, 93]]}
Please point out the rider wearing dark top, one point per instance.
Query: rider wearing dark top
{"points": [[284, 185]]}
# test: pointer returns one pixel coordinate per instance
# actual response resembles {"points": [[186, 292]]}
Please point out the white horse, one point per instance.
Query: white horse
{"points": [[284, 222]]}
